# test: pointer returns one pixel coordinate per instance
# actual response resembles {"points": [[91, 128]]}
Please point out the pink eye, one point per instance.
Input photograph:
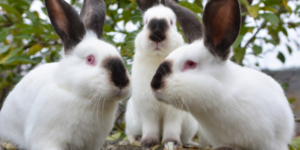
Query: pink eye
{"points": [[189, 65], [90, 60], [171, 22]]}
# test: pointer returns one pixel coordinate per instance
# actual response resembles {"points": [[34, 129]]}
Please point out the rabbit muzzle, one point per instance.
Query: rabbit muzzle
{"points": [[118, 73], [158, 28], [158, 79]]}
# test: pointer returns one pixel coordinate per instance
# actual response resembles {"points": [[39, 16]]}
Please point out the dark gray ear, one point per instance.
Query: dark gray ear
{"points": [[93, 15], [144, 5], [188, 21], [222, 22], [66, 22], [164, 3]]}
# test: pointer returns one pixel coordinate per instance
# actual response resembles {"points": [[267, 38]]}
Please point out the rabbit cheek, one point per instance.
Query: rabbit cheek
{"points": [[163, 71], [118, 73]]}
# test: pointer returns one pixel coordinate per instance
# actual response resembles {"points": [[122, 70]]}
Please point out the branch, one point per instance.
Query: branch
{"points": [[117, 121], [254, 36], [261, 27]]}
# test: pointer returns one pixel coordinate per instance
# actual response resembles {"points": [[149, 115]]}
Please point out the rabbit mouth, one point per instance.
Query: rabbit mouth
{"points": [[157, 46], [118, 92], [159, 96]]}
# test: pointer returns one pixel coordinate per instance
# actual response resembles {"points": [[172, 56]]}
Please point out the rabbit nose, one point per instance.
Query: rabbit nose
{"points": [[158, 28], [118, 73], [163, 70], [157, 36]]}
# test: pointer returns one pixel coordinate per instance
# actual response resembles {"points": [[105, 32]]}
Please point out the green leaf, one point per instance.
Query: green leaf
{"points": [[289, 49], [281, 57], [16, 51], [10, 9], [286, 6], [193, 7], [23, 36], [239, 54], [285, 86], [297, 8], [114, 137], [295, 142], [3, 36], [34, 49], [257, 49], [271, 18], [238, 41], [33, 17], [291, 148], [291, 100], [4, 48], [22, 59], [253, 10]]}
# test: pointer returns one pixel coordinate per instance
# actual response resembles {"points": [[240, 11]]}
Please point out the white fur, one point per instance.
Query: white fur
{"points": [[233, 104], [64, 105], [145, 116]]}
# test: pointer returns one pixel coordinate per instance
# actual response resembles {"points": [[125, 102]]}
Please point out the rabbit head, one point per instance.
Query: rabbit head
{"points": [[91, 68], [159, 35], [197, 67]]}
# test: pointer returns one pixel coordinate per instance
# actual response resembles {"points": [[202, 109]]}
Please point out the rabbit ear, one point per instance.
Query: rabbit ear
{"points": [[164, 3], [66, 22], [222, 22], [93, 15], [146, 4], [188, 21]]}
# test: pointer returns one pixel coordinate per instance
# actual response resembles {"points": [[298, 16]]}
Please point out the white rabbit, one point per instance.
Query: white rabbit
{"points": [[145, 116], [70, 104], [234, 105]]}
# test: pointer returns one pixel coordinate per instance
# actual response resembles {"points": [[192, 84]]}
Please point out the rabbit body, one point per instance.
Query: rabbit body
{"points": [[58, 112], [69, 104], [234, 105], [145, 116]]}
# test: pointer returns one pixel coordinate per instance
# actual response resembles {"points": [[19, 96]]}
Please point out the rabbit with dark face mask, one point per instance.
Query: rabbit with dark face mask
{"points": [[70, 104], [234, 105], [145, 116]]}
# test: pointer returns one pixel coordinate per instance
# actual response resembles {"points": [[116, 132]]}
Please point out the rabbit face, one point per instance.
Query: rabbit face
{"points": [[185, 72], [190, 70], [91, 68], [159, 35], [102, 72]]}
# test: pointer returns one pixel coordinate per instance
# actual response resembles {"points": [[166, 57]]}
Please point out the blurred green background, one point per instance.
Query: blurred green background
{"points": [[27, 39]]}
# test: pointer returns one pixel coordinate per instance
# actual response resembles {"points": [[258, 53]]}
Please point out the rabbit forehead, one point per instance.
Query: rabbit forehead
{"points": [[159, 11], [195, 52], [92, 45]]}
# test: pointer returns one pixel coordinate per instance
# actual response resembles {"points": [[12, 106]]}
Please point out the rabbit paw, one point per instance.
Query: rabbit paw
{"points": [[191, 144], [226, 148], [134, 140], [171, 144], [149, 141]]}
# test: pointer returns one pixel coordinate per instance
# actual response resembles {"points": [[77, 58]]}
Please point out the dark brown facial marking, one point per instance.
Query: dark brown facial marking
{"points": [[163, 70], [158, 28], [118, 72]]}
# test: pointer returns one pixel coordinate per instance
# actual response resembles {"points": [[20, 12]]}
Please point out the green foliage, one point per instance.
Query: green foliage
{"points": [[26, 40]]}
